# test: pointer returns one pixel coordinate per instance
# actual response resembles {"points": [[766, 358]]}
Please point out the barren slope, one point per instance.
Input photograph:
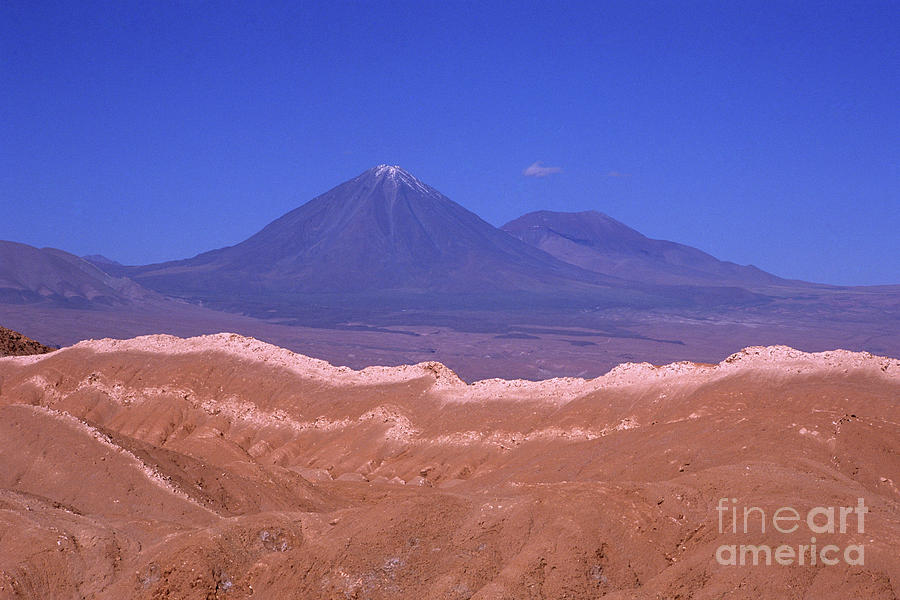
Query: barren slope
{"points": [[223, 467]]}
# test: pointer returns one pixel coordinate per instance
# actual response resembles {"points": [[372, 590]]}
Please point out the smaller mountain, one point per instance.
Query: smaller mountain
{"points": [[13, 343], [596, 242], [100, 260], [30, 275]]}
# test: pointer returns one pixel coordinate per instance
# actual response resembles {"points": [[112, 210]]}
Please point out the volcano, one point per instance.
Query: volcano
{"points": [[383, 238], [384, 229]]}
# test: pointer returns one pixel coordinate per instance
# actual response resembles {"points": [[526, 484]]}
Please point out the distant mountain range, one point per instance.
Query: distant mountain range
{"points": [[385, 242], [387, 254]]}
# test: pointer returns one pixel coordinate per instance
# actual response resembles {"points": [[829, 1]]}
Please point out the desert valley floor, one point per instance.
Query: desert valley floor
{"points": [[224, 467]]}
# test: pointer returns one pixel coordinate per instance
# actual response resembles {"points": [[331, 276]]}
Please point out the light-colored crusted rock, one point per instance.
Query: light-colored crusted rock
{"points": [[451, 388]]}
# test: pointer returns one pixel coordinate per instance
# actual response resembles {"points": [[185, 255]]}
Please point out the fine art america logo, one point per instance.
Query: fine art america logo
{"points": [[820, 520]]}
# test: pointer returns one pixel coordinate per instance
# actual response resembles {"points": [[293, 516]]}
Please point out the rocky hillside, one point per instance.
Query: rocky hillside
{"points": [[13, 343]]}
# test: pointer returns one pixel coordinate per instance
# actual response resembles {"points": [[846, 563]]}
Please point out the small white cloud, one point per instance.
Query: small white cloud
{"points": [[539, 170], [618, 174]]}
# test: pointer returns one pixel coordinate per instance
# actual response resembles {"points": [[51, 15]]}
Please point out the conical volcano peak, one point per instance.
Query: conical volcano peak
{"points": [[384, 230], [400, 176], [390, 170]]}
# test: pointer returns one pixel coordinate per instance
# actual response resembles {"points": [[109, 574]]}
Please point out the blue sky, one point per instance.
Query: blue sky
{"points": [[761, 132]]}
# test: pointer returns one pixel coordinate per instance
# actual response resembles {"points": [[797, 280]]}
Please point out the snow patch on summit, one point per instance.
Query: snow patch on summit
{"points": [[397, 175]]}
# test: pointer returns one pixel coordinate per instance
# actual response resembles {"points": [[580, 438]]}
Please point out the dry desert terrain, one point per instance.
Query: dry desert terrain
{"points": [[224, 467]]}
